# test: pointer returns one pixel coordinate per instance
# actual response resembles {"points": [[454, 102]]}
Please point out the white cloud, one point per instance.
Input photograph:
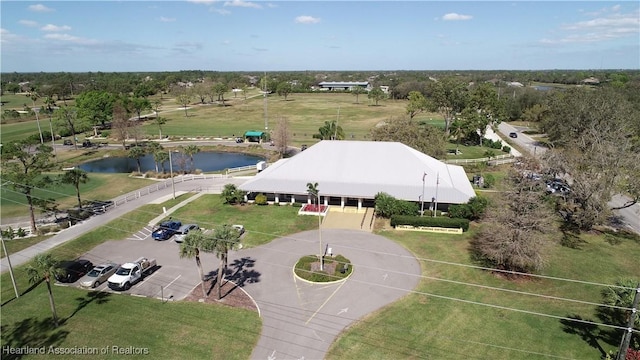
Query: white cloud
{"points": [[455, 16], [40, 8], [226, 42], [55, 28], [71, 39], [206, 2], [220, 11], [166, 19], [29, 23], [241, 3], [271, 5], [601, 28], [306, 19]]}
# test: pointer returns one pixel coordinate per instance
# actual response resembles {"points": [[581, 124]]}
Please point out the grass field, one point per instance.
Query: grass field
{"points": [[99, 187], [430, 324]]}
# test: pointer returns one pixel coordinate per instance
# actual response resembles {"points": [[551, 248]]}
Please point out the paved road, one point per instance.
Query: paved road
{"points": [[301, 320], [629, 216]]}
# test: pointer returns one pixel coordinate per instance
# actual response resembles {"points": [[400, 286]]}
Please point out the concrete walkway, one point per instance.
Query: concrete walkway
{"points": [[337, 219]]}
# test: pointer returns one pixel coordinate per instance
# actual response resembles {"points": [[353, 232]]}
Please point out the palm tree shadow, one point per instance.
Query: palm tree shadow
{"points": [[590, 333], [99, 297], [31, 332]]}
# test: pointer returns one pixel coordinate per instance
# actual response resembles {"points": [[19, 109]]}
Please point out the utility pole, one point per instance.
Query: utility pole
{"points": [[13, 279], [626, 338]]}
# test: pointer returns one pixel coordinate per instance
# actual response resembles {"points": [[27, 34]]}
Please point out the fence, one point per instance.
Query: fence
{"points": [[484, 159], [241, 168]]}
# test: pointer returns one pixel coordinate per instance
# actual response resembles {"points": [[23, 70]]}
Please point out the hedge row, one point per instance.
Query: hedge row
{"points": [[444, 222]]}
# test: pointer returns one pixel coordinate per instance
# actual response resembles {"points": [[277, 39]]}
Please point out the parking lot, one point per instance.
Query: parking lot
{"points": [[173, 277]]}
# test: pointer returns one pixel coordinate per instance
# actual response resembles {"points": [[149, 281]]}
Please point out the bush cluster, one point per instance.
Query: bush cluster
{"points": [[388, 206], [472, 210], [261, 199], [443, 222], [492, 144]]}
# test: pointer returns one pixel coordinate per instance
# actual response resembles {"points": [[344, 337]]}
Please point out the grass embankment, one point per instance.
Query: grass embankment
{"points": [[424, 326], [169, 331]]}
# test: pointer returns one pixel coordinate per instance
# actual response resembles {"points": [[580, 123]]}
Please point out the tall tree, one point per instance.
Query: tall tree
{"points": [[284, 89], [512, 236], [75, 177], [67, 117], [184, 99], [417, 104], [357, 91], [232, 195], [219, 89], [282, 136], [330, 131], [140, 104], [120, 125], [448, 96], [190, 151], [96, 106], [43, 266], [191, 247], [376, 94], [424, 138], [224, 239], [23, 164], [136, 153], [33, 95]]}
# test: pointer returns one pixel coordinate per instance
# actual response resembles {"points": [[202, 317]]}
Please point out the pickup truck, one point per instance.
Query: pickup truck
{"points": [[130, 273], [166, 229]]}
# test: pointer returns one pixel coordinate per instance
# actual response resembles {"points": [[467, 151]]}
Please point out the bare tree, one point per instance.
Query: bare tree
{"points": [[513, 233], [282, 136], [120, 124]]}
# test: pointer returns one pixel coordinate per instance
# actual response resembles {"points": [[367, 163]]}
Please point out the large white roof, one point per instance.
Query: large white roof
{"points": [[361, 169]]}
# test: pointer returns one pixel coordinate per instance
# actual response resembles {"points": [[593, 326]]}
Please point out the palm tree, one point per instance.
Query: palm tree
{"points": [[136, 153], [312, 189], [75, 177], [330, 131], [190, 248], [224, 239], [44, 266], [160, 157], [191, 150]]}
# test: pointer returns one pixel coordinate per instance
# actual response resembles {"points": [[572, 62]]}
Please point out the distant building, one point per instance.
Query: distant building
{"points": [[344, 85], [515, 84], [591, 81]]}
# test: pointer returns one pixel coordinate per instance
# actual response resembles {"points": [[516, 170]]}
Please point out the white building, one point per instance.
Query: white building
{"points": [[351, 173]]}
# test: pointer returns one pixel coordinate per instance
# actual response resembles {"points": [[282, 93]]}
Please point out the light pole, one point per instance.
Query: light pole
{"points": [[320, 234], [435, 199], [173, 184], [424, 174]]}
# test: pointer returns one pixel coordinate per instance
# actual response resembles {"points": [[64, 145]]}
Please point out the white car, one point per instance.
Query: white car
{"points": [[98, 275], [239, 228], [183, 231]]}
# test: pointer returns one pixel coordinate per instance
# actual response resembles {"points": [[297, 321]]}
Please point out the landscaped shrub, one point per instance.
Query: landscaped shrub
{"points": [[443, 222], [387, 206], [506, 149], [472, 210], [489, 180], [261, 199]]}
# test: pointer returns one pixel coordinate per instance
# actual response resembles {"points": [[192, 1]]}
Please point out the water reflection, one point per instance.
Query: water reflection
{"points": [[205, 161]]}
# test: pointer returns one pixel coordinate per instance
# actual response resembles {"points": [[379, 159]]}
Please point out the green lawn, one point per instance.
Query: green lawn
{"points": [[99, 187], [424, 326], [263, 223]]}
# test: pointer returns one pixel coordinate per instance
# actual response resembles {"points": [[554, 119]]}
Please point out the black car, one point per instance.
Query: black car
{"points": [[303, 147], [513, 135], [166, 230], [71, 271]]}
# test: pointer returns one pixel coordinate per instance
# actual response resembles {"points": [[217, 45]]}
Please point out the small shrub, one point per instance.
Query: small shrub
{"points": [[21, 232], [387, 206], [489, 181], [506, 149], [261, 199], [472, 210], [149, 174], [297, 204], [135, 173]]}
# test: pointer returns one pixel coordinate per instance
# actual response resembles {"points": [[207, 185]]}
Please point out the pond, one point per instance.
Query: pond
{"points": [[206, 161]]}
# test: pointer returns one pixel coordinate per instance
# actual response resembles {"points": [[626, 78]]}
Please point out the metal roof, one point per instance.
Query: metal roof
{"points": [[361, 169], [253, 133]]}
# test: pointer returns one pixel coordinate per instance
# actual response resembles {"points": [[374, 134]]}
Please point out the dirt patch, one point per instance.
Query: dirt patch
{"points": [[329, 267], [232, 295]]}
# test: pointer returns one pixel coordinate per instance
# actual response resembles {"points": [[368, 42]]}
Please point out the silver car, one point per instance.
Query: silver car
{"points": [[183, 231], [98, 275]]}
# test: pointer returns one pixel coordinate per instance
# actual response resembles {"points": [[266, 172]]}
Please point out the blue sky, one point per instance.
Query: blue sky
{"points": [[238, 35]]}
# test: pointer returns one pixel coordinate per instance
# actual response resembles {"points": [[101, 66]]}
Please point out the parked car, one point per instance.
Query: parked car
{"points": [[166, 230], [131, 273], [98, 275], [67, 142], [303, 147], [99, 206], [183, 231], [513, 135], [239, 228], [71, 271], [87, 144], [239, 140]]}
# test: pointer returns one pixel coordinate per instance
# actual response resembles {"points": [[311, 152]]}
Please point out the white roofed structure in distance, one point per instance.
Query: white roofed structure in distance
{"points": [[362, 169]]}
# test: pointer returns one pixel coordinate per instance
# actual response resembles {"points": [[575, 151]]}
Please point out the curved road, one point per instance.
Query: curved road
{"points": [[630, 216]]}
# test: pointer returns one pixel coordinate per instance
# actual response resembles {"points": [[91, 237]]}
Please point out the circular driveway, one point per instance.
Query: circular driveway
{"points": [[301, 320]]}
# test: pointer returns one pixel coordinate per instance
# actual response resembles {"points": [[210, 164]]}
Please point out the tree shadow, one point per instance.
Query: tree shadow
{"points": [[28, 290], [99, 297], [239, 272], [31, 332], [590, 333]]}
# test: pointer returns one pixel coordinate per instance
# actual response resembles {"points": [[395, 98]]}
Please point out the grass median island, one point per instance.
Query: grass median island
{"points": [[335, 268], [423, 326]]}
